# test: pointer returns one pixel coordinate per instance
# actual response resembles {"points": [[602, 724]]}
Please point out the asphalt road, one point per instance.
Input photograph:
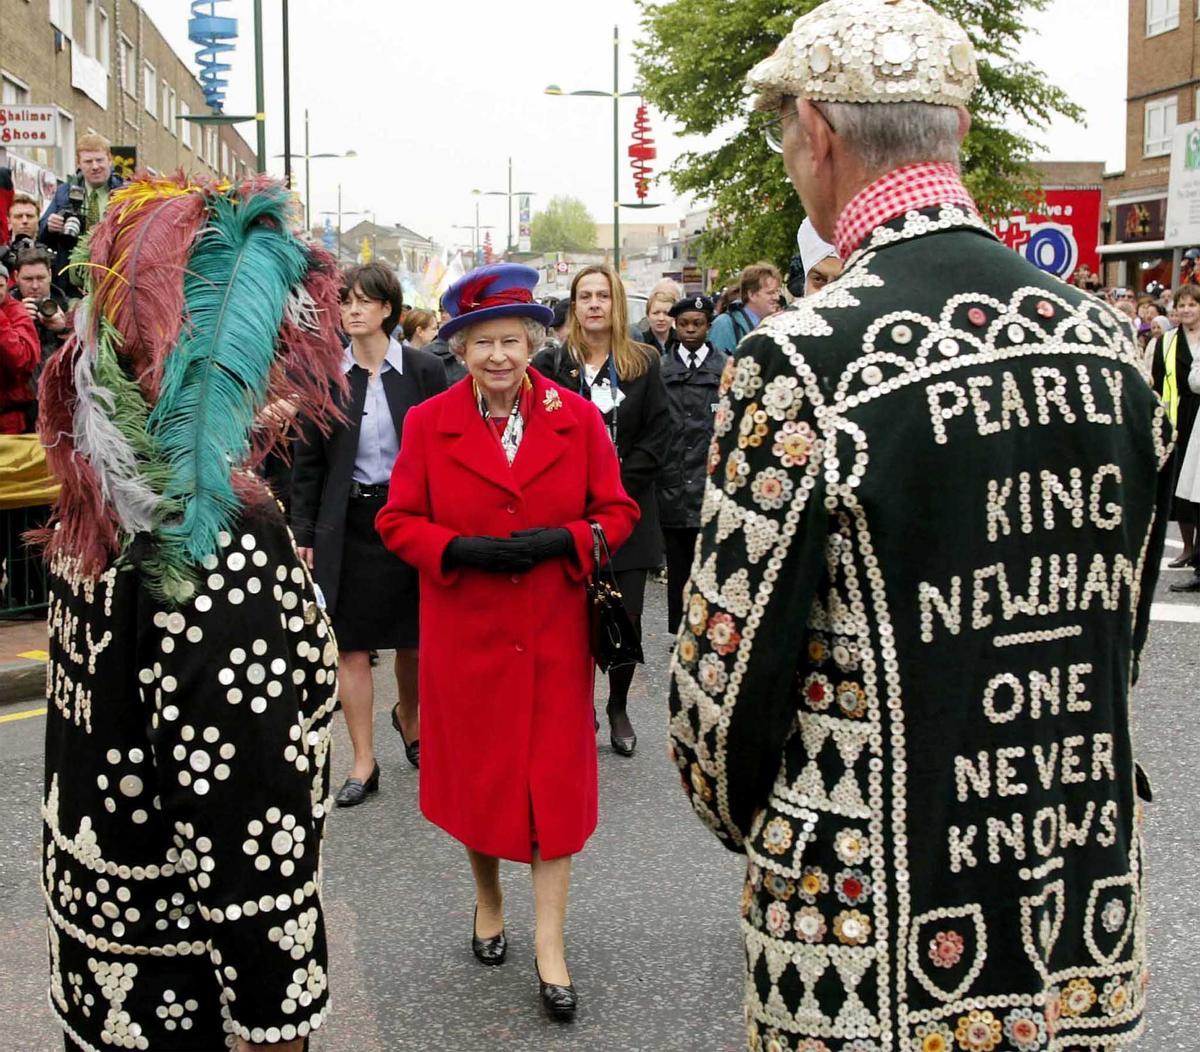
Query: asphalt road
{"points": [[653, 940]]}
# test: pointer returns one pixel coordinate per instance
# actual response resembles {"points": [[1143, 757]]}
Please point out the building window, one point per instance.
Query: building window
{"points": [[1161, 16], [66, 142], [89, 28], [1161, 118], [127, 68], [225, 160], [61, 16], [105, 53], [150, 89], [13, 92], [185, 126]]}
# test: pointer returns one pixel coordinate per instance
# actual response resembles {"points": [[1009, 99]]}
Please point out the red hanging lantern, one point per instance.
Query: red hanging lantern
{"points": [[488, 251], [642, 151]]}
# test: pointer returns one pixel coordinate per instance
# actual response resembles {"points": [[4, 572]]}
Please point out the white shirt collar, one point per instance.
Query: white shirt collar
{"points": [[394, 359]]}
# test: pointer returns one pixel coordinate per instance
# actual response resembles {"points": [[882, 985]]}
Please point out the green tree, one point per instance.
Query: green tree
{"points": [[565, 226], [698, 77]]}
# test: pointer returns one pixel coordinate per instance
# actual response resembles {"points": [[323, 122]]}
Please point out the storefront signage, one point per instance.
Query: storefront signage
{"points": [[28, 125], [1183, 190], [1059, 234]]}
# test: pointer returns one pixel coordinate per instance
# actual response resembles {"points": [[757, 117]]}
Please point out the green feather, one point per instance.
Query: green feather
{"points": [[215, 380]]}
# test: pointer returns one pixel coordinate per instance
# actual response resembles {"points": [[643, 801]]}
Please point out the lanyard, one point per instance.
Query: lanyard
{"points": [[614, 385]]}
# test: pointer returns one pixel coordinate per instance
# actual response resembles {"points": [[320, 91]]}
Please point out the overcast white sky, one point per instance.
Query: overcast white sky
{"points": [[435, 97]]}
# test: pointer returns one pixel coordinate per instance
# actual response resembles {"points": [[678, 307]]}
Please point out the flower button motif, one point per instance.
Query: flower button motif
{"points": [[934, 1037], [1113, 915], [723, 633], [778, 886], [818, 693], [809, 924], [778, 836], [793, 443], [1026, 1029], [978, 1031], [852, 846], [813, 882], [1078, 998], [697, 613], [946, 949], [779, 920], [852, 927], [977, 317], [852, 700], [852, 887]]}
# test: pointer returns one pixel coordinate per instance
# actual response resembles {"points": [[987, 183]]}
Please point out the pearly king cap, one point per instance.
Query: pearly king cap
{"points": [[869, 51]]}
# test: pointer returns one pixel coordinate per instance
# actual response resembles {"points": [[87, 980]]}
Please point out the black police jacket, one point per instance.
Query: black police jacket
{"points": [[692, 395]]}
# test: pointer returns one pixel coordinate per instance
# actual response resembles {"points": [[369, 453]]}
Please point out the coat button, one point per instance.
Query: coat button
{"points": [[977, 317], [520, 647], [511, 509], [516, 578]]}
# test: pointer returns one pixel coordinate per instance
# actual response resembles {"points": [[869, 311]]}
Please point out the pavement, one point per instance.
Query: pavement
{"points": [[653, 939]]}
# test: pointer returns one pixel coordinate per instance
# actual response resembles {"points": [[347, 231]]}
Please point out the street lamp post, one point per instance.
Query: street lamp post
{"points": [[475, 238], [308, 156], [616, 95], [508, 194]]}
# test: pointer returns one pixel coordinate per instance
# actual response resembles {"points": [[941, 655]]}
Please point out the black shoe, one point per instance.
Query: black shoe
{"points": [[621, 733], [559, 1002], [491, 950], [1180, 561], [373, 657], [1187, 586], [355, 790], [412, 749]]}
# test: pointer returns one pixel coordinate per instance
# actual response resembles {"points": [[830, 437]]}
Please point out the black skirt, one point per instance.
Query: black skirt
{"points": [[377, 604], [632, 585]]}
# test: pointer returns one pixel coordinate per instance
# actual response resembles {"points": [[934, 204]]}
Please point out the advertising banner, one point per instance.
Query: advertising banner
{"points": [[1057, 236], [28, 125], [524, 235], [1183, 190]]}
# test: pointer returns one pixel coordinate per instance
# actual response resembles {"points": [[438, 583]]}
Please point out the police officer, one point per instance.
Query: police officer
{"points": [[923, 579], [691, 372]]}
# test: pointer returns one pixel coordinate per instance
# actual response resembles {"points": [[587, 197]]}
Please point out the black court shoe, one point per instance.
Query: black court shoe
{"points": [[621, 733], [355, 790], [412, 749], [491, 950], [560, 1002]]}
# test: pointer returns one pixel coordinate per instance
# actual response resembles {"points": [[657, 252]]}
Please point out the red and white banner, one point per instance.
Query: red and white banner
{"points": [[1061, 235]]}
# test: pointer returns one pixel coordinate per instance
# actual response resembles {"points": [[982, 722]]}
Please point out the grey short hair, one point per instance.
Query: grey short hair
{"points": [[535, 330], [887, 135]]}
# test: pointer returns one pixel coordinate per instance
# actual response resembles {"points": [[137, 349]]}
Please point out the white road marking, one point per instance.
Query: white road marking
{"points": [[1185, 612]]}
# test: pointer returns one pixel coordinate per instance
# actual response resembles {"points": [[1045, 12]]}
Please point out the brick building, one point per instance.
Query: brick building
{"points": [[106, 68], [1163, 90]]}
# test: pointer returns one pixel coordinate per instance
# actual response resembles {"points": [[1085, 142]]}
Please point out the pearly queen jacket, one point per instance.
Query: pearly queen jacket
{"points": [[929, 544]]}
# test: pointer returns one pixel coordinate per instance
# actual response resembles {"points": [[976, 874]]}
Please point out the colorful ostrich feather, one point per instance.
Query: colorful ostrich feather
{"points": [[201, 308]]}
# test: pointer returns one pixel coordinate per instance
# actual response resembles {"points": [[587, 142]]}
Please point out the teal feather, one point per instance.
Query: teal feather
{"points": [[215, 381]]}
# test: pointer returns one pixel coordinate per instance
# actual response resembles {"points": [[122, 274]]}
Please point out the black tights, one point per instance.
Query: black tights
{"points": [[619, 679]]}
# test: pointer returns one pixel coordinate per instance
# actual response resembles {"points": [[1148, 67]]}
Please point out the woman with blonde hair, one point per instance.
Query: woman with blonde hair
{"points": [[659, 331], [622, 379], [420, 328]]}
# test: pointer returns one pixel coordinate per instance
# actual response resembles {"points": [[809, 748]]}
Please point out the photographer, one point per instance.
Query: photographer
{"points": [[18, 361], [79, 203], [45, 304], [23, 228]]}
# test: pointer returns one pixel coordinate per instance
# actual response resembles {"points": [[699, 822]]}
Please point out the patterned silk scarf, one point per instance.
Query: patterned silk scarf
{"points": [[514, 431]]}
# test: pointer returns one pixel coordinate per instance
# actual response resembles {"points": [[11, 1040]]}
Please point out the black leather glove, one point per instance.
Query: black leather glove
{"points": [[495, 554], [550, 542]]}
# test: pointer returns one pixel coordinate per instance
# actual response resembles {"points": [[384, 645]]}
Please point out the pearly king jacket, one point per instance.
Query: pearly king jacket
{"points": [[927, 555], [186, 789]]}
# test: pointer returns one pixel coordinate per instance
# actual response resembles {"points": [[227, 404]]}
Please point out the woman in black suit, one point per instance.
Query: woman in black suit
{"points": [[339, 485], [622, 379]]}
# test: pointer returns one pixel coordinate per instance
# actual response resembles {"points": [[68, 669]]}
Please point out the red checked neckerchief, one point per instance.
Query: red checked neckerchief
{"points": [[907, 189]]}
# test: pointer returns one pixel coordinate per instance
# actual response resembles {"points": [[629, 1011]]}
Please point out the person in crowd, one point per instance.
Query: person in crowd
{"points": [[1188, 487], [492, 499], [452, 364], [1170, 366], [339, 483], [857, 698], [79, 204], [1125, 301], [22, 230], [420, 328], [758, 288], [188, 724], [623, 379], [559, 322], [45, 303], [20, 357], [657, 332], [691, 373], [818, 257]]}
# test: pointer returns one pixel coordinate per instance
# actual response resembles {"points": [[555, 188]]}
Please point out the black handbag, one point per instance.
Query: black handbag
{"points": [[615, 642]]}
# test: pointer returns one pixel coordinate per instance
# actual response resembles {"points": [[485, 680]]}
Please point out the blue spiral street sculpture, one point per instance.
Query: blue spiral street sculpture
{"points": [[212, 32]]}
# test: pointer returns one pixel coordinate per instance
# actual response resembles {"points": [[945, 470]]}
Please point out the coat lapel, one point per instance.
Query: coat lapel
{"points": [[473, 447], [402, 393], [347, 449], [544, 442]]}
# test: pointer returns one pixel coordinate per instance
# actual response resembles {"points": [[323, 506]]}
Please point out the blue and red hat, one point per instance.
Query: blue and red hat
{"points": [[499, 290]]}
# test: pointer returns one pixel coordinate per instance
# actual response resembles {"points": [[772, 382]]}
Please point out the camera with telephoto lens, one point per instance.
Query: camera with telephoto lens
{"points": [[73, 219], [18, 245], [47, 307]]}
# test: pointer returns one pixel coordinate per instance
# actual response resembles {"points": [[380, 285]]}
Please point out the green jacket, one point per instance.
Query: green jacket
{"points": [[928, 550]]}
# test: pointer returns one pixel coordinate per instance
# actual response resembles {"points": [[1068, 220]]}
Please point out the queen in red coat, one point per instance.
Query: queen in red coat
{"points": [[491, 499]]}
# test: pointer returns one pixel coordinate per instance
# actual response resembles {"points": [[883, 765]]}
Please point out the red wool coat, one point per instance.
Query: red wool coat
{"points": [[508, 750]]}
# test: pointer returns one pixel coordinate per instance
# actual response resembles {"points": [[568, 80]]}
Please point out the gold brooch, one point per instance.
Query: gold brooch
{"points": [[552, 401]]}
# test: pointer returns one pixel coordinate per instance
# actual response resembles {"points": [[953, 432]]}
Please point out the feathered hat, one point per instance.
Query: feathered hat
{"points": [[202, 308], [499, 290]]}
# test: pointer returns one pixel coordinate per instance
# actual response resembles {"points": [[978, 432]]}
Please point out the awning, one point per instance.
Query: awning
{"points": [[1130, 248]]}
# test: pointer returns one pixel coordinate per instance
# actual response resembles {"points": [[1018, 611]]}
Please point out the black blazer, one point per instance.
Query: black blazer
{"points": [[643, 436], [324, 466]]}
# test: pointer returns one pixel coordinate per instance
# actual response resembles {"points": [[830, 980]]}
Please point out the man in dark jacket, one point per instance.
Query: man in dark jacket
{"points": [[691, 372], [923, 580], [79, 204]]}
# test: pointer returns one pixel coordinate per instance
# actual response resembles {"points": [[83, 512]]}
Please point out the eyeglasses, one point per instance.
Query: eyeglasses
{"points": [[773, 132]]}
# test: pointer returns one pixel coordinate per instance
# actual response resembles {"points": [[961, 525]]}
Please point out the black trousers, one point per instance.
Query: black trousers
{"points": [[680, 544]]}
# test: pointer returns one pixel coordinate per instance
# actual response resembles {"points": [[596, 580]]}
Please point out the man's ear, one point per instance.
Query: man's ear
{"points": [[816, 129], [964, 122]]}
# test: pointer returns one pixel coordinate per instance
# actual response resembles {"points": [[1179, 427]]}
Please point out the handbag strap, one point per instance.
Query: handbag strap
{"points": [[599, 547]]}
